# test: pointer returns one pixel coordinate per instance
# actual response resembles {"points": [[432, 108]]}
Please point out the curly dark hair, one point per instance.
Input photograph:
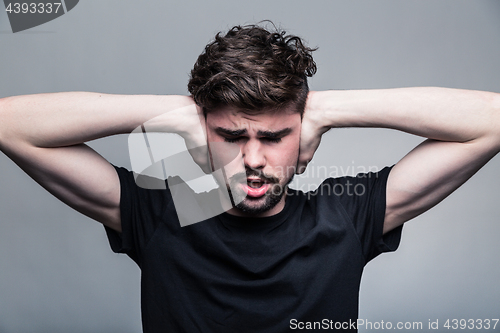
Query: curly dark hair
{"points": [[251, 68]]}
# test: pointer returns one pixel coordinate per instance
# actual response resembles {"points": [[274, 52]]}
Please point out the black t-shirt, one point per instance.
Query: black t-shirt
{"points": [[233, 274]]}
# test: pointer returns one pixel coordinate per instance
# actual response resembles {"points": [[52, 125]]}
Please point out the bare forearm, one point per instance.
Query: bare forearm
{"points": [[63, 119], [436, 113]]}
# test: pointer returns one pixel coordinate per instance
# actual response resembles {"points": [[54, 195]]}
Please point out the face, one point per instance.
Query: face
{"points": [[268, 145]]}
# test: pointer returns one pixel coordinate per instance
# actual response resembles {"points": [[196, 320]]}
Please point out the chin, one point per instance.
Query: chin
{"points": [[257, 207]]}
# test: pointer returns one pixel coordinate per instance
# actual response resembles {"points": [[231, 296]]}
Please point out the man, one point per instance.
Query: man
{"points": [[278, 259]]}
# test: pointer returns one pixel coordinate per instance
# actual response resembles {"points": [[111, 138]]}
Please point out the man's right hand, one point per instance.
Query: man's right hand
{"points": [[189, 122], [45, 134]]}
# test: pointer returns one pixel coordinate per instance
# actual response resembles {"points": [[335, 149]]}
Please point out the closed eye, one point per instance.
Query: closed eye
{"points": [[237, 135], [239, 138], [272, 140], [233, 140]]}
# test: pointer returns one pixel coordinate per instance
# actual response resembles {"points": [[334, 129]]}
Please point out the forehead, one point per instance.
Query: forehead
{"points": [[271, 119]]}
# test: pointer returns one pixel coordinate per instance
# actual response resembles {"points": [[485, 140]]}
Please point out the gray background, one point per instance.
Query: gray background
{"points": [[57, 273]]}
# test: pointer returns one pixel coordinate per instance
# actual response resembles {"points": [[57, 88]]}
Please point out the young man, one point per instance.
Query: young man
{"points": [[278, 259]]}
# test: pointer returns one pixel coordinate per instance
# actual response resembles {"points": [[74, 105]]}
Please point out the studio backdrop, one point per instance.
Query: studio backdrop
{"points": [[57, 272]]}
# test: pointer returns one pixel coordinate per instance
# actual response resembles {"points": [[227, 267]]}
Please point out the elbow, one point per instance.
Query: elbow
{"points": [[6, 122]]}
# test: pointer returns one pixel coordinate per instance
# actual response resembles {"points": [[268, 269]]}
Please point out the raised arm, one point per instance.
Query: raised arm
{"points": [[462, 127], [44, 135]]}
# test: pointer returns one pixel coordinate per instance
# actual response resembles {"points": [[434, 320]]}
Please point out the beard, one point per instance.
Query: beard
{"points": [[255, 206]]}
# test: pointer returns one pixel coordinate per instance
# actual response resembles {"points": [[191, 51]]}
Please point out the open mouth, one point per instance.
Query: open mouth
{"points": [[256, 187], [255, 183]]}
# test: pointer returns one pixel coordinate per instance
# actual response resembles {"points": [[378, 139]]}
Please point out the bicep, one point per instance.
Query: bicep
{"points": [[429, 173], [77, 175]]}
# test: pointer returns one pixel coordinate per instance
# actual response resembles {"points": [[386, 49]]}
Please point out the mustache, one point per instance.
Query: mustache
{"points": [[242, 176]]}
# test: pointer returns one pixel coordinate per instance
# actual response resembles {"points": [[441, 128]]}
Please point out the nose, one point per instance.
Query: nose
{"points": [[253, 155]]}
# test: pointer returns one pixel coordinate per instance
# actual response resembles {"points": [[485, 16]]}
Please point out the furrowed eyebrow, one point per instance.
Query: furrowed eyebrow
{"points": [[226, 131], [277, 134]]}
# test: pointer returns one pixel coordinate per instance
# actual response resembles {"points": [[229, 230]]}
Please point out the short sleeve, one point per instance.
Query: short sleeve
{"points": [[141, 211], [363, 198]]}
